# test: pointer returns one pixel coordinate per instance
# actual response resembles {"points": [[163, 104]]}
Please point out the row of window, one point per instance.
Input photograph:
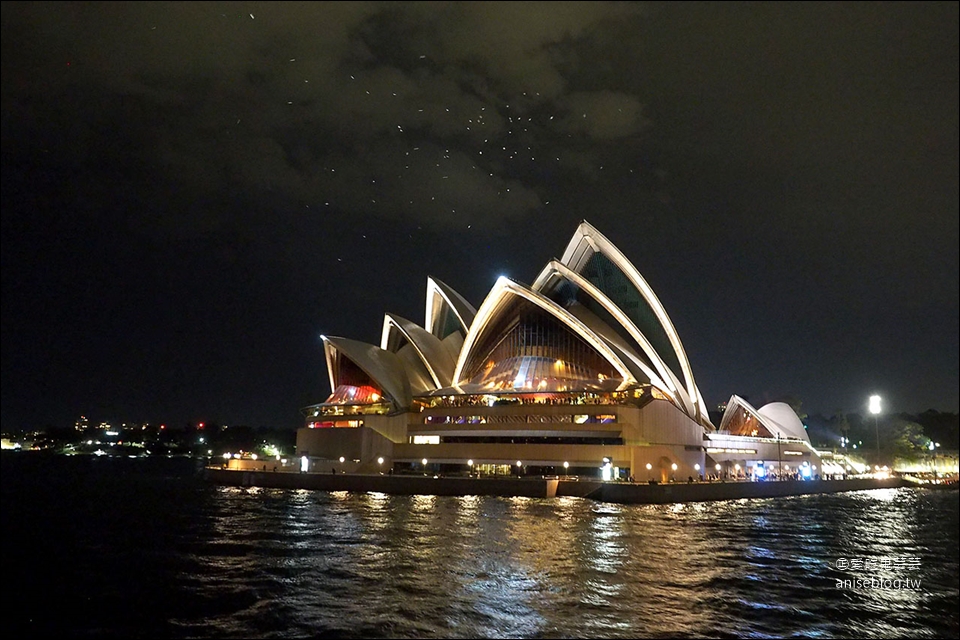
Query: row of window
{"points": [[434, 439], [601, 418]]}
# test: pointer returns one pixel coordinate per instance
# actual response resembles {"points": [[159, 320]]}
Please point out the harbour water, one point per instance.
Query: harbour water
{"points": [[146, 548]]}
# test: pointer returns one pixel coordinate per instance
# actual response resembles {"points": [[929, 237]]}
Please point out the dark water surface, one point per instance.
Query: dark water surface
{"points": [[113, 547]]}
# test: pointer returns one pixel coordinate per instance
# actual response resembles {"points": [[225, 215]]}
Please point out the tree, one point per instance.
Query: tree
{"points": [[841, 424]]}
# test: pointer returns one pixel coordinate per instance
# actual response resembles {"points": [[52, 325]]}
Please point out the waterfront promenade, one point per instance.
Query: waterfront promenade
{"points": [[620, 492]]}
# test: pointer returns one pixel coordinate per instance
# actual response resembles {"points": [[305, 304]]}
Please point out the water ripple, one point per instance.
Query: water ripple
{"points": [[187, 559]]}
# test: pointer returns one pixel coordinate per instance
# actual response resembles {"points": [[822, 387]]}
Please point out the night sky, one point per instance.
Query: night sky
{"points": [[194, 192]]}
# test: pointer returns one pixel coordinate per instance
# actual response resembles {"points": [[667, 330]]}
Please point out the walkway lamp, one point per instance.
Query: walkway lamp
{"points": [[875, 410], [779, 460]]}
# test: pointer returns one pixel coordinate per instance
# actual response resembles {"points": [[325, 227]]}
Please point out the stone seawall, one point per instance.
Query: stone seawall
{"points": [[620, 492], [706, 491], [396, 484]]}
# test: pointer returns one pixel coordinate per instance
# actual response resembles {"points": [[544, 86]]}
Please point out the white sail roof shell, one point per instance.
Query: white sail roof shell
{"points": [[489, 310], [436, 358], [777, 417], [382, 366]]}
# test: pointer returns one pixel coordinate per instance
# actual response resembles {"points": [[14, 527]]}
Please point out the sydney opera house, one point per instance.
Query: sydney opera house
{"points": [[579, 373]]}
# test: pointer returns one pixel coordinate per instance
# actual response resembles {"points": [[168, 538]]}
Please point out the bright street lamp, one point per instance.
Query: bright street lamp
{"points": [[875, 410]]}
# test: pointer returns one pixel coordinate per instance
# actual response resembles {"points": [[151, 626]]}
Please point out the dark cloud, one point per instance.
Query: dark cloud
{"points": [[428, 97]]}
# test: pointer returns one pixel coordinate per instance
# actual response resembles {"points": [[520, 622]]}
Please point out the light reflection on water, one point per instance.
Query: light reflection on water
{"points": [[240, 562], [490, 567]]}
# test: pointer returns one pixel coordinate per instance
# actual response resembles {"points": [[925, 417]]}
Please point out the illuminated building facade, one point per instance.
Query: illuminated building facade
{"points": [[579, 373]]}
